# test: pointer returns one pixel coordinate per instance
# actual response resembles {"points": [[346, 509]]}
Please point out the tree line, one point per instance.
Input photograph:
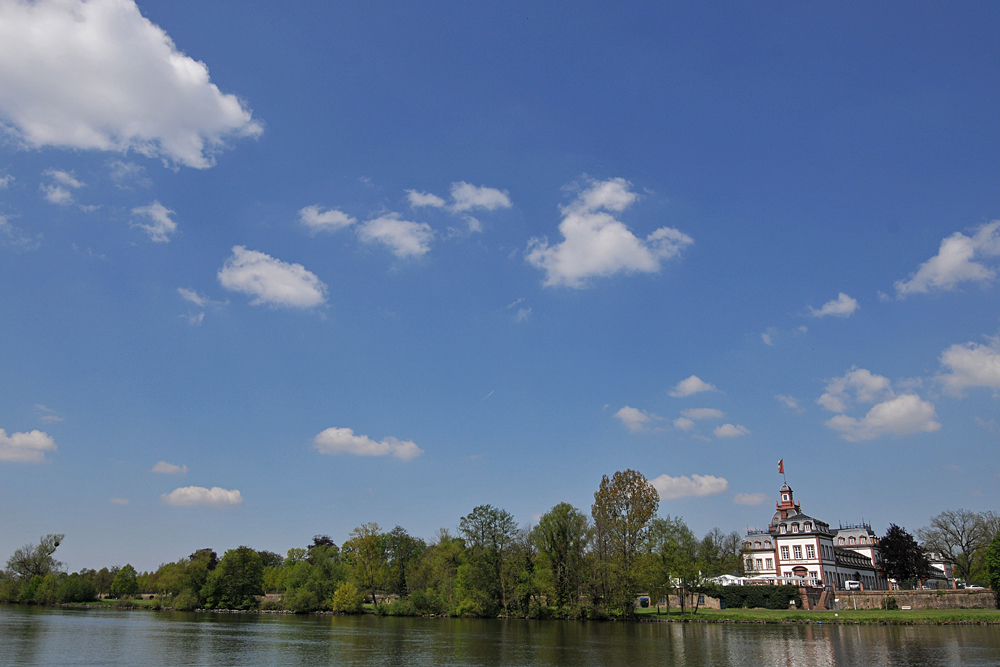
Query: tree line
{"points": [[569, 565]]}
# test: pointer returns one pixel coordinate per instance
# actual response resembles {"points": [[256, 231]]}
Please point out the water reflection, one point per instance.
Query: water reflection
{"points": [[38, 636]]}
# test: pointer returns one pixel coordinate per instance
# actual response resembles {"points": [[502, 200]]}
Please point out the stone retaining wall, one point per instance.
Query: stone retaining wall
{"points": [[962, 599]]}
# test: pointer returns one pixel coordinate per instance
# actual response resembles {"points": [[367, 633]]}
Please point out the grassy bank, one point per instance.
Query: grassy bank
{"points": [[867, 616]]}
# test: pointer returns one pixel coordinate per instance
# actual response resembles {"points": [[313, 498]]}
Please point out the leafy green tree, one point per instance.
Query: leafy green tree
{"points": [[102, 580], [623, 507], [237, 581], [488, 533], [562, 534], [271, 559], [401, 550], [433, 578], [991, 561], [672, 562], [36, 560], [902, 558], [76, 588], [347, 599], [310, 583], [366, 556], [124, 584]]}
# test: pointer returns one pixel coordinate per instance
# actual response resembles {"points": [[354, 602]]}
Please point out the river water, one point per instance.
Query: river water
{"points": [[52, 636]]}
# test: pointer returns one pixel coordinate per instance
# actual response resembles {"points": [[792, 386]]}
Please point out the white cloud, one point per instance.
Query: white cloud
{"points": [[98, 75], [595, 244], [47, 414], [271, 281], [730, 431], [123, 173], [192, 296], [788, 401], [684, 424], [160, 226], [418, 199], [634, 419], [971, 365], [522, 314], [903, 415], [696, 485], [955, 263], [169, 468], [859, 382], [15, 237], [56, 194], [766, 337], [329, 220], [466, 197], [63, 178], [691, 385], [199, 496], [343, 441], [842, 306], [5, 181], [119, 501], [194, 319], [703, 413], [404, 238], [27, 447], [749, 498]]}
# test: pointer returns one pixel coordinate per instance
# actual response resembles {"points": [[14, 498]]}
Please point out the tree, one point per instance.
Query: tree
{"points": [[622, 509], [36, 560], [401, 550], [271, 559], [673, 549], [991, 562], [124, 584], [562, 534], [488, 533], [365, 552], [902, 558], [958, 535], [237, 581]]}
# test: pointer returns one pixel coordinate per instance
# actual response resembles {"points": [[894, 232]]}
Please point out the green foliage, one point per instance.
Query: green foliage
{"points": [[124, 583], [489, 533], [991, 563], [562, 536], [402, 550], [754, 597], [309, 585], [187, 600], [889, 602], [346, 599], [35, 560], [366, 557], [76, 588], [236, 582]]}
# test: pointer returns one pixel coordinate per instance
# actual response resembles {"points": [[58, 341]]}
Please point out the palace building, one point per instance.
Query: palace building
{"points": [[798, 549]]}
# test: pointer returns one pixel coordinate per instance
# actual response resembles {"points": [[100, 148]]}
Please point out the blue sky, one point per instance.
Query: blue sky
{"points": [[272, 271]]}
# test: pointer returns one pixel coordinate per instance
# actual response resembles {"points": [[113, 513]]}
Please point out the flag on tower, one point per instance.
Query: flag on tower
{"points": [[781, 467]]}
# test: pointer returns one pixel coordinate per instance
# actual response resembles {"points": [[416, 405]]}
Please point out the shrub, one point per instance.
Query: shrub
{"points": [[186, 601], [889, 602], [346, 599]]}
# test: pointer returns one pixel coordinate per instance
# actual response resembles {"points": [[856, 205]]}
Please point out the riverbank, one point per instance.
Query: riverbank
{"points": [[751, 616], [843, 617]]}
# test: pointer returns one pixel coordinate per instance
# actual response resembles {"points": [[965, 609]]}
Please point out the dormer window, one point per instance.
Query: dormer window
{"points": [[756, 545], [767, 544], [840, 540], [781, 529], [852, 540], [795, 527], [808, 527], [864, 540], [746, 545]]}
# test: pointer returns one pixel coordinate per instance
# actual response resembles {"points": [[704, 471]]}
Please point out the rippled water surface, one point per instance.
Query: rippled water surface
{"points": [[41, 636]]}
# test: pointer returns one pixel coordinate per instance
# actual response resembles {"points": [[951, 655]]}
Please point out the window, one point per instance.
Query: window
{"points": [[760, 564], [810, 551], [808, 527], [852, 540], [784, 496], [795, 527], [770, 563], [701, 599], [797, 552], [746, 545], [756, 545], [767, 544], [782, 529], [784, 553], [864, 540], [813, 575], [749, 564], [840, 540]]}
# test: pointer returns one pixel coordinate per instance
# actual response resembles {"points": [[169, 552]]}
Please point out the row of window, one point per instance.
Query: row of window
{"points": [[760, 564], [806, 528], [861, 540]]}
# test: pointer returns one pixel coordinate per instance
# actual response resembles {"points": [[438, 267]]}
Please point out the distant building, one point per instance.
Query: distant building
{"points": [[798, 549]]}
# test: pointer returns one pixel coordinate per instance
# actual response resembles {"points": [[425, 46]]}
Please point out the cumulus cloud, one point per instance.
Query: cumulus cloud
{"points": [[63, 178], [955, 262], [271, 281], [199, 496], [466, 197], [596, 244], [691, 385], [98, 75], [165, 468], [789, 402], [749, 498], [858, 384], [903, 415], [192, 296], [684, 424], [160, 226], [696, 485], [971, 365], [59, 190], [703, 413], [402, 237], [344, 441], [634, 419], [29, 447], [730, 431], [329, 220], [418, 199], [123, 174], [842, 306]]}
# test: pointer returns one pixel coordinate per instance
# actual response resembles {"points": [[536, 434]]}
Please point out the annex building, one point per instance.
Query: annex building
{"points": [[798, 549]]}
